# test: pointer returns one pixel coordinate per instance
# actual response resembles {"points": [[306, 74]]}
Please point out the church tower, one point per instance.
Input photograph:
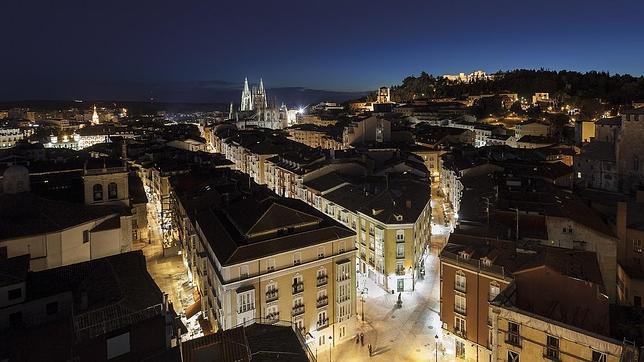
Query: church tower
{"points": [[95, 119], [246, 98], [260, 97]]}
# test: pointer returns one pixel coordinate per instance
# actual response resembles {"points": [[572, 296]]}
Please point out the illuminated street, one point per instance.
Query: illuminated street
{"points": [[399, 334], [170, 274]]}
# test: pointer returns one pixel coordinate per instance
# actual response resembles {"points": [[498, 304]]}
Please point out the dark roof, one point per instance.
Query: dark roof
{"points": [[610, 121], [597, 150], [109, 224], [14, 270], [536, 139], [120, 280], [28, 214], [242, 223], [257, 342], [561, 285], [325, 182], [401, 196]]}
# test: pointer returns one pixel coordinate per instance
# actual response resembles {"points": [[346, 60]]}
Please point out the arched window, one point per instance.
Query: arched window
{"points": [[98, 192], [112, 191]]}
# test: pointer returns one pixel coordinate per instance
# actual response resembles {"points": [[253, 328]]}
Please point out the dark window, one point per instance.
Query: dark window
{"points": [[637, 300], [15, 319], [15, 294], [85, 236], [552, 348], [52, 308], [112, 191], [598, 357], [98, 192]]}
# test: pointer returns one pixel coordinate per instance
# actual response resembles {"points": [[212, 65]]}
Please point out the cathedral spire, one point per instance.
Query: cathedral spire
{"points": [[95, 119], [261, 86], [246, 98]]}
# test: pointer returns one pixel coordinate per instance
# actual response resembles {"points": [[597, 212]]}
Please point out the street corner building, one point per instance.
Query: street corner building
{"points": [[257, 257]]}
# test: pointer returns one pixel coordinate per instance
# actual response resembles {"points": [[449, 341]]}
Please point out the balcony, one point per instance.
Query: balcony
{"points": [[343, 277], [298, 287], [460, 332], [322, 323], [460, 310], [513, 339], [297, 310], [273, 317], [245, 308], [322, 301], [322, 280], [371, 262], [400, 256], [271, 295], [400, 271]]}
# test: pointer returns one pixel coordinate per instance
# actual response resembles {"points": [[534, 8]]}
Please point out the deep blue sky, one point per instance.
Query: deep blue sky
{"points": [[101, 48]]}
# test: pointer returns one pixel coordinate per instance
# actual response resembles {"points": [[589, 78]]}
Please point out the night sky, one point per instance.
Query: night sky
{"points": [[123, 49]]}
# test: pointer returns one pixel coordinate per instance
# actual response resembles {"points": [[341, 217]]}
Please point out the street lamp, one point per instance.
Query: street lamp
{"points": [[436, 338], [330, 347]]}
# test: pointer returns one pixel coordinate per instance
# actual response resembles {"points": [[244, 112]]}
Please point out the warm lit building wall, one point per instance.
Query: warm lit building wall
{"points": [[465, 291], [521, 334], [106, 186], [72, 245]]}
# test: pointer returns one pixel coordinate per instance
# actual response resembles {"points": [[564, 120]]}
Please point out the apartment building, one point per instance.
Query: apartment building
{"points": [[256, 256], [316, 136], [9, 137], [56, 233], [392, 221], [557, 310], [504, 300]]}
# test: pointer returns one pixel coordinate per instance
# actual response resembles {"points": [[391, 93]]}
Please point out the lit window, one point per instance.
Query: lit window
{"points": [[112, 191], [637, 246], [460, 304], [98, 192], [460, 349], [460, 282]]}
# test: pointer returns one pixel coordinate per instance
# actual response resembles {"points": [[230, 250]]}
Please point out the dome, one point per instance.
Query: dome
{"points": [[15, 179]]}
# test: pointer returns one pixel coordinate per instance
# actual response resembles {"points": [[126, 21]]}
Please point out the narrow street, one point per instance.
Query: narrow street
{"points": [[169, 273]]}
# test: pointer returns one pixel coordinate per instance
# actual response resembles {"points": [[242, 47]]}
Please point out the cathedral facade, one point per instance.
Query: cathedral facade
{"points": [[254, 109]]}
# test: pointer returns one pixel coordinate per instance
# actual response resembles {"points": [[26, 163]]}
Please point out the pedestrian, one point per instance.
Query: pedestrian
{"points": [[362, 338], [369, 349]]}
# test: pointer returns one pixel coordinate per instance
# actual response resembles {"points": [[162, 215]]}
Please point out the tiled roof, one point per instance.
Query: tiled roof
{"points": [[28, 214]]}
